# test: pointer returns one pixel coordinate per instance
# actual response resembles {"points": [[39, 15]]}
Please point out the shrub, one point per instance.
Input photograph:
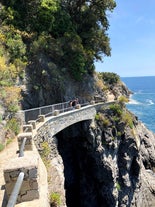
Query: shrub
{"points": [[55, 199], [45, 152], [104, 120], [122, 100], [97, 117], [118, 186], [15, 46], [13, 125], [110, 78], [127, 118], [117, 109], [11, 96]]}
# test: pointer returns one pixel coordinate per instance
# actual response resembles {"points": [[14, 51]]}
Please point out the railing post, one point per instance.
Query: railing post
{"points": [[15, 192]]}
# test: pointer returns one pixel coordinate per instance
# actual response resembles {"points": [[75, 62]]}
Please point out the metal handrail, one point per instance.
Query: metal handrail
{"points": [[13, 197], [21, 151], [30, 114]]}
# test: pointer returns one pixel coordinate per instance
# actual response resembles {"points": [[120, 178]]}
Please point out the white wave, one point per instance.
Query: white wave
{"points": [[149, 101], [138, 92], [133, 101]]}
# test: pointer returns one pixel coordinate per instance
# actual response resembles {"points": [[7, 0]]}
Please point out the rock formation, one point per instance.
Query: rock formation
{"points": [[108, 162]]}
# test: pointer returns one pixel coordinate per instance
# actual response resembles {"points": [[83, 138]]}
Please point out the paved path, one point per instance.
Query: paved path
{"points": [[9, 153]]}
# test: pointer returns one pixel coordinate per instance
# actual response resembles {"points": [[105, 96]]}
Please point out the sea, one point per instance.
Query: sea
{"points": [[142, 101]]}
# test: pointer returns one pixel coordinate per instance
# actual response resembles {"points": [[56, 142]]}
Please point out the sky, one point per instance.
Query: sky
{"points": [[132, 39]]}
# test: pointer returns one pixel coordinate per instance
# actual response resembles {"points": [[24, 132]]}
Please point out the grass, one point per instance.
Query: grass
{"points": [[55, 199]]}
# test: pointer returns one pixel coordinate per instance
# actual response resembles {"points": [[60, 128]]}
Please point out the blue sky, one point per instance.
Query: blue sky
{"points": [[132, 39]]}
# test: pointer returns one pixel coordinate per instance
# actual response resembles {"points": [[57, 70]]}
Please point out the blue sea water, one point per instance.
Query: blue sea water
{"points": [[142, 102]]}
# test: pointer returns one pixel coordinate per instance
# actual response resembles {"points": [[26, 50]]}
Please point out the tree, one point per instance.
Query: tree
{"points": [[78, 26], [90, 24]]}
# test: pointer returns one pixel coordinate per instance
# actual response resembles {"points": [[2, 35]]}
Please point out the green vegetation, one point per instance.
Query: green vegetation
{"points": [[122, 100], [117, 109], [118, 186], [128, 119], [45, 152], [110, 78], [13, 125], [55, 200], [102, 119], [73, 34], [120, 113], [11, 97]]}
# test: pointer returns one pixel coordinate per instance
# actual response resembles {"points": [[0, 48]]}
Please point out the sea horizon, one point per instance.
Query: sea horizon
{"points": [[137, 76]]}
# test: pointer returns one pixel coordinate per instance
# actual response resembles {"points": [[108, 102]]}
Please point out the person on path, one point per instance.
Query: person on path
{"points": [[75, 102]]}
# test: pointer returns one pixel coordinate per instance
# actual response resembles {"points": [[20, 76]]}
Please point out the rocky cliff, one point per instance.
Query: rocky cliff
{"points": [[108, 162]]}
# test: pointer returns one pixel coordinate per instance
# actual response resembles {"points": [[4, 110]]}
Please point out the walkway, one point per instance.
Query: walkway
{"points": [[5, 156]]}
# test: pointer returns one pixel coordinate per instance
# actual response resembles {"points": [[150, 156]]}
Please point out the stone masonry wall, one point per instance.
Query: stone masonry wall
{"points": [[29, 189]]}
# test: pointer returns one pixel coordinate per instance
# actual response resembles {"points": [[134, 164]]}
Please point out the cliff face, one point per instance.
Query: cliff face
{"points": [[50, 88], [108, 162], [47, 84]]}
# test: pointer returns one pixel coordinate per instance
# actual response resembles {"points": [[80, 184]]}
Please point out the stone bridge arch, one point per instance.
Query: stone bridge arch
{"points": [[53, 125]]}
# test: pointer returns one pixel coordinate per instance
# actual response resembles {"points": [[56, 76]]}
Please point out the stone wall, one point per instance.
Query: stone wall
{"points": [[29, 189]]}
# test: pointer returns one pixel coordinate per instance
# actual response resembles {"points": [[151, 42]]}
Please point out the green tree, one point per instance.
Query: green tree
{"points": [[90, 24], [79, 28]]}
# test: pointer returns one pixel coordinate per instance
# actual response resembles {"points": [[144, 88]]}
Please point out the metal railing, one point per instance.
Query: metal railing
{"points": [[21, 151], [22, 147], [32, 114], [16, 189]]}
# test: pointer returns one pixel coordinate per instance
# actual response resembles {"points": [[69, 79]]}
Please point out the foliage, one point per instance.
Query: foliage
{"points": [[97, 117], [121, 114], [15, 45], [102, 119], [12, 56], [13, 125], [110, 78], [77, 27], [45, 152], [127, 118], [122, 100], [118, 186], [117, 109], [55, 199], [101, 85], [11, 97]]}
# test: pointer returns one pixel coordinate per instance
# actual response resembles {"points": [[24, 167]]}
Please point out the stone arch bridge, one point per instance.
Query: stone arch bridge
{"points": [[51, 122]]}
